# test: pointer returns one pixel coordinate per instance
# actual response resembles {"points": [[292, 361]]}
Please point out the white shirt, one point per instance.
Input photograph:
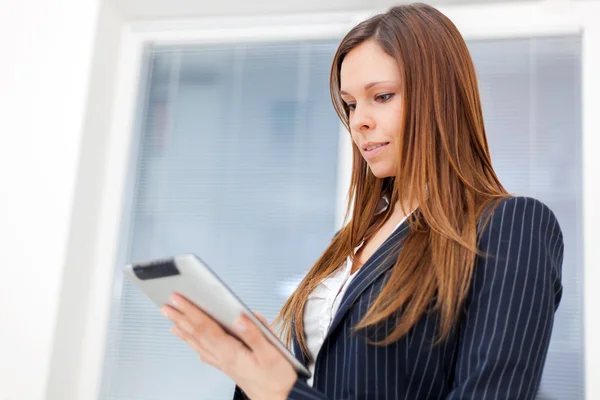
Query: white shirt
{"points": [[323, 302]]}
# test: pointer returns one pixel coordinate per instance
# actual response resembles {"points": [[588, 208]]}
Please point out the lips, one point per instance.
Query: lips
{"points": [[372, 149], [375, 146], [370, 146]]}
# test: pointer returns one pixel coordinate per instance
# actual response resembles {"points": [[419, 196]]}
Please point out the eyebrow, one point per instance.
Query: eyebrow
{"points": [[369, 86]]}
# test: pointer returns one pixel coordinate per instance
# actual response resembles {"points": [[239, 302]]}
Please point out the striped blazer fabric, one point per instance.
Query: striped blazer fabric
{"points": [[499, 346]]}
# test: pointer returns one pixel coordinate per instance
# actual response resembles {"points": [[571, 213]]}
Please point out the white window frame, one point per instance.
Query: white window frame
{"points": [[554, 17]]}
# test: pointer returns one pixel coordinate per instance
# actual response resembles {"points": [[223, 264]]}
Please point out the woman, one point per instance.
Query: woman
{"points": [[441, 285]]}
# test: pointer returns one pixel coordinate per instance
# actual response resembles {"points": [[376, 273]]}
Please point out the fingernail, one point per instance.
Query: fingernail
{"points": [[239, 325], [174, 300], [164, 311]]}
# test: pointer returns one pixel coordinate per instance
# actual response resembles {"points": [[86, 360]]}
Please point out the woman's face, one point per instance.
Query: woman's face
{"points": [[370, 86]]}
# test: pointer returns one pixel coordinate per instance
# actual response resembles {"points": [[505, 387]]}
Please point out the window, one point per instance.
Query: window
{"points": [[237, 163], [531, 91]]}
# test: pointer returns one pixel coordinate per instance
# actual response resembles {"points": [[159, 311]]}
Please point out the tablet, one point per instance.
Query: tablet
{"points": [[188, 275]]}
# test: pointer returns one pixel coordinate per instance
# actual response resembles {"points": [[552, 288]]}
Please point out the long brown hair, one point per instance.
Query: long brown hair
{"points": [[444, 166]]}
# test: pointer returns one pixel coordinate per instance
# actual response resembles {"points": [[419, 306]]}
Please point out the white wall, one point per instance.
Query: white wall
{"points": [[46, 49], [66, 364], [161, 9]]}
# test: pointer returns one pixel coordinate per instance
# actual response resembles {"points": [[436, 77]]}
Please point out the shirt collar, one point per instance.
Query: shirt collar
{"points": [[383, 205]]}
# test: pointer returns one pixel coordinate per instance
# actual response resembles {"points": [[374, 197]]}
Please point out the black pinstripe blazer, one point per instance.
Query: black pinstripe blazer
{"points": [[500, 345]]}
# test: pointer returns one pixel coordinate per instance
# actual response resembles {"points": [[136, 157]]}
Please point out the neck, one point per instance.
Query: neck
{"points": [[409, 206]]}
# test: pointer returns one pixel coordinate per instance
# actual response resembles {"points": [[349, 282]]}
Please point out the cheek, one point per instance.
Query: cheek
{"points": [[354, 139], [391, 122]]}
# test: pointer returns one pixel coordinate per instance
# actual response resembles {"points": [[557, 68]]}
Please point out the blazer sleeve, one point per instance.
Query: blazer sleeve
{"points": [[238, 394], [300, 391], [505, 331]]}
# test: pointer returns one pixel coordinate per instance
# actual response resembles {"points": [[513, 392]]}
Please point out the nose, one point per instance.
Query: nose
{"points": [[361, 120]]}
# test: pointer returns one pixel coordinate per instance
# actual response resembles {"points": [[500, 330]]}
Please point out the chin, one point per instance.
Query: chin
{"points": [[382, 171]]}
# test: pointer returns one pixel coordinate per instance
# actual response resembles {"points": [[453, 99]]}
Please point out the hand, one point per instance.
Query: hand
{"points": [[260, 371]]}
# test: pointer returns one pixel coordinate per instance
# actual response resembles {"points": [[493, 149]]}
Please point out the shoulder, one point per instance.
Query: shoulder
{"points": [[522, 216], [524, 232]]}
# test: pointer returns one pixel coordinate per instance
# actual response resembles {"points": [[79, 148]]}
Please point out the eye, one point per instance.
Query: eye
{"points": [[384, 97]]}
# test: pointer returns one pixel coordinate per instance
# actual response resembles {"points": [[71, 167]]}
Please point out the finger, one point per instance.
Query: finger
{"points": [[227, 355], [221, 349], [252, 336], [264, 321], [188, 308], [199, 324], [196, 322], [203, 353], [193, 343], [183, 328], [261, 318], [181, 321]]}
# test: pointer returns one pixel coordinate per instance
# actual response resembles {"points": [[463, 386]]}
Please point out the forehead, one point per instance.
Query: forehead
{"points": [[366, 63]]}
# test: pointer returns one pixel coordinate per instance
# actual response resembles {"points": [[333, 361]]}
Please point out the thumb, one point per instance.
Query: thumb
{"points": [[263, 320]]}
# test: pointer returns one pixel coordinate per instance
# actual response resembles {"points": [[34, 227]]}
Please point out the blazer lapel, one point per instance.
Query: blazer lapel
{"points": [[381, 261]]}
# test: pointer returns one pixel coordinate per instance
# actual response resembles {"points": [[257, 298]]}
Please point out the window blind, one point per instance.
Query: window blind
{"points": [[237, 162]]}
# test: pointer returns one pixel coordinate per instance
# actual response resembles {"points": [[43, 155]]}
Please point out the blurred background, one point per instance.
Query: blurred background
{"points": [[136, 129]]}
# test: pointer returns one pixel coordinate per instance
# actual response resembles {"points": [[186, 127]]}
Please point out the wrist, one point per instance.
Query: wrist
{"points": [[291, 382]]}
